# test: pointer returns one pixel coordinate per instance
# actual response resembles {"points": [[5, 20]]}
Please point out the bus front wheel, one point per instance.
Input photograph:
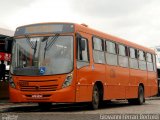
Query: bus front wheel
{"points": [[95, 98]]}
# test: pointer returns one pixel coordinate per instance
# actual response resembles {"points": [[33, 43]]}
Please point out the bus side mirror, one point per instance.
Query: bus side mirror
{"points": [[8, 44]]}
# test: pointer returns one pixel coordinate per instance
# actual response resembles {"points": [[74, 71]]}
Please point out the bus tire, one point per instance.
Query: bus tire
{"points": [[44, 105], [95, 98], [141, 99]]}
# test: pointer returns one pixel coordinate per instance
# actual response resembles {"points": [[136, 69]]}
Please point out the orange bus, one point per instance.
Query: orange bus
{"points": [[69, 63]]}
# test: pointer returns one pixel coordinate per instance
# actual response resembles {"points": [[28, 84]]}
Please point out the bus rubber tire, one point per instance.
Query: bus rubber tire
{"points": [[140, 99], [95, 98]]}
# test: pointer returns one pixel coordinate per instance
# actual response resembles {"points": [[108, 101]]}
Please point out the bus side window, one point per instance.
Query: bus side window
{"points": [[111, 53], [154, 62], [82, 52], [149, 62], [123, 55], [133, 58], [142, 60], [98, 50]]}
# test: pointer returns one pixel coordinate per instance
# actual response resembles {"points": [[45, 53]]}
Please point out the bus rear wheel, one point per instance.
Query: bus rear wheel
{"points": [[141, 99], [95, 98]]}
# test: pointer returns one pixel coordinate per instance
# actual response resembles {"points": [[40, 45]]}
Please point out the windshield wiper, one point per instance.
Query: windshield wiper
{"points": [[34, 47], [50, 43], [29, 42]]}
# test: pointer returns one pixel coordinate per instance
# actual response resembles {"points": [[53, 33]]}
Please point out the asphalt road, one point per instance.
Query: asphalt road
{"points": [[114, 110]]}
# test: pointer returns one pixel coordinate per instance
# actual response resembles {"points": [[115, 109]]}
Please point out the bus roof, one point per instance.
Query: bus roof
{"points": [[84, 28], [103, 35]]}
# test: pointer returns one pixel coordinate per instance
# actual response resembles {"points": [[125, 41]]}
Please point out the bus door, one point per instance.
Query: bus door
{"points": [[84, 73]]}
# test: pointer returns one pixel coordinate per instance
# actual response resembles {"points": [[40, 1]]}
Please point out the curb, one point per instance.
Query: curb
{"points": [[153, 98]]}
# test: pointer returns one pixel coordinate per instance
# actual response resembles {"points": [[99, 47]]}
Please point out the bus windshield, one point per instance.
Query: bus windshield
{"points": [[34, 56]]}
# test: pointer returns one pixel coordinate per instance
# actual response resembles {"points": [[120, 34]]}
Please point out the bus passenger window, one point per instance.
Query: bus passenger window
{"points": [[111, 56], [149, 62], [123, 56], [133, 58], [98, 50], [133, 53], [154, 62], [111, 47], [142, 60], [122, 50]]}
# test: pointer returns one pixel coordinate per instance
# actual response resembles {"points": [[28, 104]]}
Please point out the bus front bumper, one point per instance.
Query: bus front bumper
{"points": [[65, 95]]}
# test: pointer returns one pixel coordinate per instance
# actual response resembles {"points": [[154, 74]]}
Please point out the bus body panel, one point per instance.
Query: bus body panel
{"points": [[111, 83], [137, 77], [62, 95], [50, 87], [123, 80], [152, 82], [118, 82], [84, 84]]}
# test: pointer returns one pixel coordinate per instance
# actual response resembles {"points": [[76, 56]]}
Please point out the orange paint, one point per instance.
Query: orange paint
{"points": [[118, 82]]}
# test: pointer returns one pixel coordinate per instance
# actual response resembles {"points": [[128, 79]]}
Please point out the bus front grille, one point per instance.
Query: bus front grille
{"points": [[34, 86], [39, 88]]}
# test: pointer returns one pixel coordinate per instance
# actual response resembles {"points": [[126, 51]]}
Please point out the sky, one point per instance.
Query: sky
{"points": [[134, 20]]}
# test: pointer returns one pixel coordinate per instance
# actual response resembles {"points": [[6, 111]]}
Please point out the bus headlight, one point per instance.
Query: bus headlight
{"points": [[68, 80], [11, 82]]}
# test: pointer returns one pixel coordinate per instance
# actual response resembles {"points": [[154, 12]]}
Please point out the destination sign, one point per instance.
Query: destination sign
{"points": [[45, 28]]}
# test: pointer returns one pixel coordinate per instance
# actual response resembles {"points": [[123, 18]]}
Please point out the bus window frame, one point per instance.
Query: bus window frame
{"points": [[136, 57], [103, 49], [126, 56], [142, 60], [116, 50], [149, 61]]}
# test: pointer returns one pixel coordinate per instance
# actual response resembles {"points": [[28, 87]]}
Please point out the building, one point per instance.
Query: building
{"points": [[4, 33]]}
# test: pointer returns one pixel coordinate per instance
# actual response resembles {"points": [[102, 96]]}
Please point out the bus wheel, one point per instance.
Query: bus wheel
{"points": [[95, 98], [140, 99], [45, 105]]}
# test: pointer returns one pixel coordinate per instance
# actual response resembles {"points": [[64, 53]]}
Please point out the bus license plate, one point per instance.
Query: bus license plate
{"points": [[37, 96]]}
